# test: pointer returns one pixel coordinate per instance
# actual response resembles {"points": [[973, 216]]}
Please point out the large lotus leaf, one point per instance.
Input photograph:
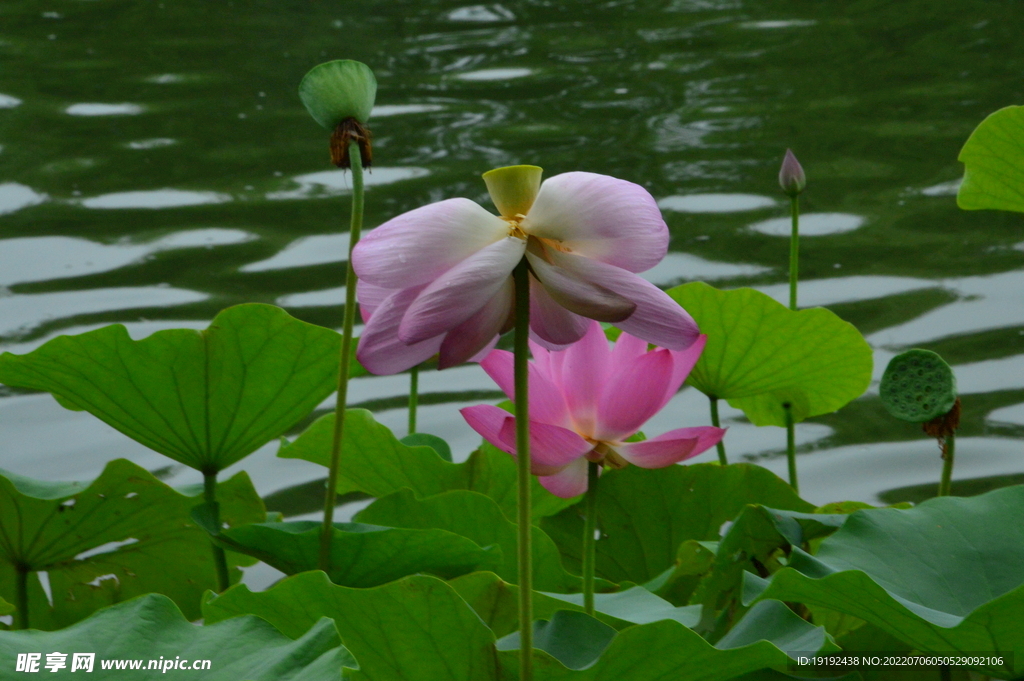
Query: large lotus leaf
{"points": [[124, 534], [5, 608], [993, 159], [361, 555], [644, 515], [151, 628], [479, 518], [420, 629], [205, 399], [375, 462], [943, 577], [761, 355]]}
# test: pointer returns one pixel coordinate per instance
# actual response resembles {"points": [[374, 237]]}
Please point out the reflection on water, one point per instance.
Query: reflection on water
{"points": [[226, 194]]}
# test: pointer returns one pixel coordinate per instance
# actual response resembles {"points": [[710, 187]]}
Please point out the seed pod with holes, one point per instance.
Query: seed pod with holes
{"points": [[918, 386]]}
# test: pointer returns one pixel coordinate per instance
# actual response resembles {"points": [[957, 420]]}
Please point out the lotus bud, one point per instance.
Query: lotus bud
{"points": [[339, 95], [791, 175]]}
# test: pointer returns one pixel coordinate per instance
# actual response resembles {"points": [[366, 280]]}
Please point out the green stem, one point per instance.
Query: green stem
{"points": [[522, 282], [589, 537], [220, 560], [794, 253], [717, 424], [414, 394], [948, 449], [356, 225], [791, 447], [21, 597]]}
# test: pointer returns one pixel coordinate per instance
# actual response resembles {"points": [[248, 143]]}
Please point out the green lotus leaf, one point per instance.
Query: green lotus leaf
{"points": [[761, 355], [420, 629], [361, 555], [645, 515], [993, 159], [473, 515], [119, 536], [205, 399], [375, 462], [336, 90], [918, 386], [942, 577], [151, 628]]}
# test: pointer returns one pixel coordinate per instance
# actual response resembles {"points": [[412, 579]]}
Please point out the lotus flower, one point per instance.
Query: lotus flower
{"points": [[586, 400], [438, 278]]}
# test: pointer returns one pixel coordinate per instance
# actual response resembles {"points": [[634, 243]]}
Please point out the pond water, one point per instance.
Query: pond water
{"points": [[156, 166]]}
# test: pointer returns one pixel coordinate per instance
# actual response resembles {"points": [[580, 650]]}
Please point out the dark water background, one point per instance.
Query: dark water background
{"points": [[156, 166]]}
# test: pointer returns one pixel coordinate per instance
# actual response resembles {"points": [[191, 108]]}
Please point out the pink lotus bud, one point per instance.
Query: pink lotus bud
{"points": [[791, 175]]}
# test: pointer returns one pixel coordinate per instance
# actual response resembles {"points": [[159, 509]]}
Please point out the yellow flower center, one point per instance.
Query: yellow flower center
{"points": [[514, 228]]}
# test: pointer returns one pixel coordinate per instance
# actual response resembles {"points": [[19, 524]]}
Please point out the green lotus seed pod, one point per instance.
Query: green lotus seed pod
{"points": [[918, 386], [337, 90]]}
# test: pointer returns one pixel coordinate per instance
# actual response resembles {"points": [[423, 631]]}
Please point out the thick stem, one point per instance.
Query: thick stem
{"points": [[948, 450], [794, 253], [522, 282], [590, 537], [330, 497], [21, 597], [717, 424], [220, 560], [414, 395], [791, 447]]}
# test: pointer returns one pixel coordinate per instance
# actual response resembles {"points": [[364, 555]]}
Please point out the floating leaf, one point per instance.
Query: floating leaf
{"points": [[644, 515], [993, 159], [339, 89], [760, 354], [124, 534], [918, 386], [943, 576], [573, 638], [205, 399], [373, 461], [151, 628], [479, 518], [361, 555]]}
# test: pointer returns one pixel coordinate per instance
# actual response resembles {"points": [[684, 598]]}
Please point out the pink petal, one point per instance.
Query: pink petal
{"points": [[551, 447], [658, 319], [487, 420], [683, 362], [585, 370], [546, 402], [578, 295], [600, 217], [456, 295], [672, 447], [477, 332], [380, 350], [632, 395], [550, 322], [370, 297], [626, 349], [570, 482], [417, 247], [479, 357]]}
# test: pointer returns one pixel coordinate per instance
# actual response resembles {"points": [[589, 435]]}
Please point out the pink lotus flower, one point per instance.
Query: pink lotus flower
{"points": [[438, 278], [586, 400]]}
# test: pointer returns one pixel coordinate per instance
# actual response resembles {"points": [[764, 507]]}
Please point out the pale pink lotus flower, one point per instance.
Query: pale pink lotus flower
{"points": [[437, 280], [586, 400]]}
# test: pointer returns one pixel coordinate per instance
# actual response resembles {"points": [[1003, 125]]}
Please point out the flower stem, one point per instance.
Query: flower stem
{"points": [[521, 275], [589, 538], [715, 422], [21, 596], [220, 560], [330, 497], [414, 394], [791, 446], [948, 449], [794, 252]]}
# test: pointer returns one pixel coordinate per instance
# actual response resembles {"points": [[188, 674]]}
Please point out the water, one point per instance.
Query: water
{"points": [[156, 166]]}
